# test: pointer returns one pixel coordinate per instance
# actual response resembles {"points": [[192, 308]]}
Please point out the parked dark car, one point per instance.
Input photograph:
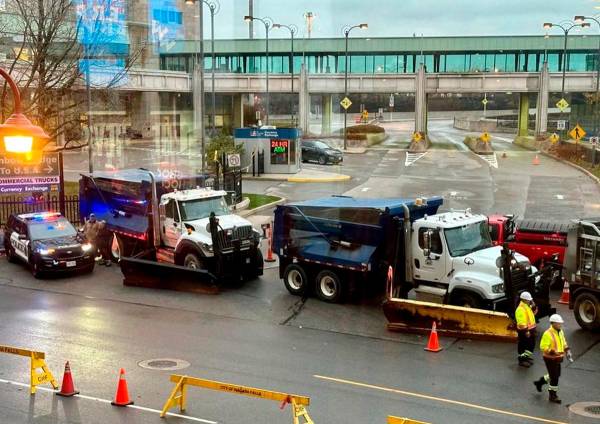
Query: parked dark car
{"points": [[318, 151], [47, 242]]}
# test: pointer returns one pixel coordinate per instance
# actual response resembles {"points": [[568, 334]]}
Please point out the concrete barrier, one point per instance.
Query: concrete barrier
{"points": [[478, 146]]}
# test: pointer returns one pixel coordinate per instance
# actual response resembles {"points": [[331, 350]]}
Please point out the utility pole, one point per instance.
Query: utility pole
{"points": [[250, 24]]}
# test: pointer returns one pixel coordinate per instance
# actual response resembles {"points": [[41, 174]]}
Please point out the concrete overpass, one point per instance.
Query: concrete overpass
{"points": [[421, 84]]}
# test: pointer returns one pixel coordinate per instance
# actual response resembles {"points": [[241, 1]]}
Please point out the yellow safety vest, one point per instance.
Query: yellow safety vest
{"points": [[525, 317], [553, 340]]}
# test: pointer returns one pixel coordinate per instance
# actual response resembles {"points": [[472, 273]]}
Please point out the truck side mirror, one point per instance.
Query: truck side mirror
{"points": [[427, 243]]}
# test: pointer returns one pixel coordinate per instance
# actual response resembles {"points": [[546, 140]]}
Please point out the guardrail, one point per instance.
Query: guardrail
{"points": [[178, 396], [37, 362]]}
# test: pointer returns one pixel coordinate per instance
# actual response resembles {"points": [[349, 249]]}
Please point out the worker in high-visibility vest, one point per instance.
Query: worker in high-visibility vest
{"points": [[525, 317], [554, 347]]}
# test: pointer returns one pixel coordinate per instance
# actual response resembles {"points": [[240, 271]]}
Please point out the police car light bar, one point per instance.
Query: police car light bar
{"points": [[40, 215]]}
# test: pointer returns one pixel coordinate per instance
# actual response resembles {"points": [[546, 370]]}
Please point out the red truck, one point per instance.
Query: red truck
{"points": [[540, 241]]}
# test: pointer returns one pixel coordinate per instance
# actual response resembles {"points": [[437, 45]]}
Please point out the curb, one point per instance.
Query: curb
{"points": [[283, 178], [585, 171], [319, 180], [248, 212]]}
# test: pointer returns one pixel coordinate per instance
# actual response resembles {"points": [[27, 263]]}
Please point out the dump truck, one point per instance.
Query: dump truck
{"points": [[161, 234], [333, 244], [541, 241], [582, 268]]}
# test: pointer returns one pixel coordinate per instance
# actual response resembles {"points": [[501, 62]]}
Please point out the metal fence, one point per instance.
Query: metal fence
{"points": [[30, 204]]}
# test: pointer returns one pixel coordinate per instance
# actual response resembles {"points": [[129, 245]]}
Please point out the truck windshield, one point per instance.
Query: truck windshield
{"points": [[51, 229], [470, 238], [192, 210]]}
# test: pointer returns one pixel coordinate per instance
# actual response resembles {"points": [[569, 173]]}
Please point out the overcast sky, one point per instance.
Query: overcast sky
{"points": [[404, 17]]}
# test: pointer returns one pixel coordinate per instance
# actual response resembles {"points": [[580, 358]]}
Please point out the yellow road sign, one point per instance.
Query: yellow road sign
{"points": [[417, 136], [485, 137], [484, 101], [577, 133], [562, 104], [346, 103], [37, 363], [554, 138]]}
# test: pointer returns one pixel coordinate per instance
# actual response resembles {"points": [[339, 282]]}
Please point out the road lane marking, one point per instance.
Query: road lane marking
{"points": [[438, 399], [411, 158], [96, 399], [365, 189], [560, 197]]}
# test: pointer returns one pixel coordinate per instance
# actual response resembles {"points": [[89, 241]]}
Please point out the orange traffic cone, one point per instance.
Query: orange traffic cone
{"points": [[536, 160], [68, 388], [565, 296], [434, 344], [270, 245], [122, 396]]}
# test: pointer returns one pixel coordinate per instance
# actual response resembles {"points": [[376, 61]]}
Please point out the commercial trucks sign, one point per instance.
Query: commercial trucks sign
{"points": [[19, 177]]}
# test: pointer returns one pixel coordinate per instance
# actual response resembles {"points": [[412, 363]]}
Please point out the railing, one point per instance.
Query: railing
{"points": [[27, 204]]}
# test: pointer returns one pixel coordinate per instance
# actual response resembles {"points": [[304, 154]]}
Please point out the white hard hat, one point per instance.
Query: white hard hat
{"points": [[526, 296], [557, 318]]}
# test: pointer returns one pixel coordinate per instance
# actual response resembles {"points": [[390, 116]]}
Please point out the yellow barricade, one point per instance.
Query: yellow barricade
{"points": [[37, 362], [398, 420], [178, 395]]}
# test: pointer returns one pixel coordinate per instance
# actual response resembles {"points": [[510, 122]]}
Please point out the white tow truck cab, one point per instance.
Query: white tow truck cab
{"points": [[453, 261]]}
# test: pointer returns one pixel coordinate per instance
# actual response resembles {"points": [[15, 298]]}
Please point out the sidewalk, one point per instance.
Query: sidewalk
{"points": [[302, 176]]}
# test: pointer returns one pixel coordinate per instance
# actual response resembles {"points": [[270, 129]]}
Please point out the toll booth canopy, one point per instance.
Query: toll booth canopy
{"points": [[279, 149]]}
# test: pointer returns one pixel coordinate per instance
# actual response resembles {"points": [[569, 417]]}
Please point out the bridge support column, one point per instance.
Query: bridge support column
{"points": [[541, 116], [238, 110], [303, 101], [523, 129], [326, 118], [420, 101]]}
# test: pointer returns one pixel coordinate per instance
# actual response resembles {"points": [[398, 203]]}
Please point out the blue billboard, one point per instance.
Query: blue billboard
{"points": [[102, 31]]}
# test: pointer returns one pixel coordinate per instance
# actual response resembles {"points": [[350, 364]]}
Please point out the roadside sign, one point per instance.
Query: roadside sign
{"points": [[577, 133], [417, 136], [484, 101], [594, 140], [485, 137], [554, 138], [562, 105], [391, 100], [234, 160], [19, 177], [346, 103], [561, 125]]}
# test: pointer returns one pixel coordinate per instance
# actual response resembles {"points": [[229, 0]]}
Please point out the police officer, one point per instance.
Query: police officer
{"points": [[554, 348], [525, 317], [91, 230]]}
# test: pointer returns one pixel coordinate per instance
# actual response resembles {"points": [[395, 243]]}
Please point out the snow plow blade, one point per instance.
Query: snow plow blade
{"points": [[159, 275], [413, 316]]}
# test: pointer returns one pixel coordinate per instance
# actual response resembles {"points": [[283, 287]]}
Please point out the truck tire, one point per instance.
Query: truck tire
{"points": [[587, 311], [295, 280], [191, 260], [466, 300], [329, 287]]}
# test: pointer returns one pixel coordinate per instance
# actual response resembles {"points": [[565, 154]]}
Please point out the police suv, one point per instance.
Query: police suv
{"points": [[47, 242]]}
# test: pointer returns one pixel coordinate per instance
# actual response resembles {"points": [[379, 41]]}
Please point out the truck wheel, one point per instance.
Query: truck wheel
{"points": [[191, 260], [587, 311], [329, 287], [466, 300], [295, 280]]}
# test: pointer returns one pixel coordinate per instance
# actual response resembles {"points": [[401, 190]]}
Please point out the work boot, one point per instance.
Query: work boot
{"points": [[524, 363], [539, 384], [553, 397], [108, 262], [529, 359]]}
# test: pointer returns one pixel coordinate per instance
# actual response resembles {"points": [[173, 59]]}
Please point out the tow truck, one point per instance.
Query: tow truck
{"points": [[327, 245], [162, 235]]}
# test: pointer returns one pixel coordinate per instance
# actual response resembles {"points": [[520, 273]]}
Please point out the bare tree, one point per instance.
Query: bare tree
{"points": [[50, 53]]}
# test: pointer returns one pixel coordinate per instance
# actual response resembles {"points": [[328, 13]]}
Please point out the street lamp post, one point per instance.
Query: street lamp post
{"points": [[566, 30], [267, 23], [581, 19], [347, 30], [293, 29]]}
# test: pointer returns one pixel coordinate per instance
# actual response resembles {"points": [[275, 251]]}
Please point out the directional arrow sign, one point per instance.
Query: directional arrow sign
{"points": [[577, 133], [346, 103], [562, 105]]}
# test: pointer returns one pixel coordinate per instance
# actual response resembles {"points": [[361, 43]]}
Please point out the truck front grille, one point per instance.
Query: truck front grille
{"points": [[227, 238], [520, 279]]}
